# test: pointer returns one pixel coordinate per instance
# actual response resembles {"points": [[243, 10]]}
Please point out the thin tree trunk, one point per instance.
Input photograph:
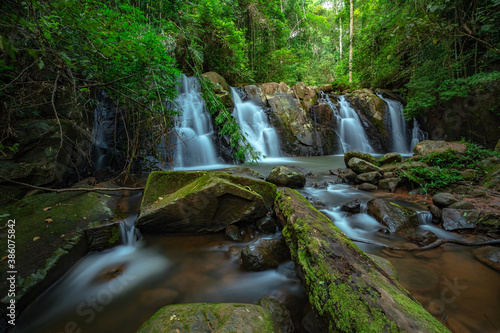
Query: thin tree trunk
{"points": [[351, 32]]}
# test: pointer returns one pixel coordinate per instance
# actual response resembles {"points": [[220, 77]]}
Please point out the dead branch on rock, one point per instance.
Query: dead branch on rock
{"points": [[75, 189], [433, 245]]}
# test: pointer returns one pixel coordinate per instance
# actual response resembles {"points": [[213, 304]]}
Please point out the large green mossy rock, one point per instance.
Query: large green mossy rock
{"points": [[209, 318], [361, 166], [284, 176], [362, 156], [201, 201], [392, 215], [50, 238], [347, 290]]}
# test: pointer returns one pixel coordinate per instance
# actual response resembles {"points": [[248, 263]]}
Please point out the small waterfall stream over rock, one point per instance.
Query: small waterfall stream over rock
{"points": [[350, 129], [195, 134], [255, 127]]}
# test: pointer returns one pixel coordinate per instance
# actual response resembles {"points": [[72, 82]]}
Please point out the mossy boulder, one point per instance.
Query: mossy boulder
{"points": [[492, 179], [361, 166], [206, 317], [392, 215], [369, 177], [362, 156], [390, 158], [281, 315], [264, 254], [347, 290], [195, 201], [50, 238], [427, 147], [285, 176]]}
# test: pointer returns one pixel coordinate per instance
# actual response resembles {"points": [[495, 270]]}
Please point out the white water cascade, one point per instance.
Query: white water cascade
{"points": [[397, 124], [194, 142], [349, 126], [255, 128], [417, 134]]}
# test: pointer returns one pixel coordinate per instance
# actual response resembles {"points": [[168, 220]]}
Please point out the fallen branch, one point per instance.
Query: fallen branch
{"points": [[433, 245], [75, 189]]}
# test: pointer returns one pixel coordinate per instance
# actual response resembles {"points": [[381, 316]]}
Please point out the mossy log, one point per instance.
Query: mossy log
{"points": [[348, 291]]}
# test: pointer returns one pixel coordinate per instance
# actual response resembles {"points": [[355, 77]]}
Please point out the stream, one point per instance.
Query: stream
{"points": [[118, 289]]}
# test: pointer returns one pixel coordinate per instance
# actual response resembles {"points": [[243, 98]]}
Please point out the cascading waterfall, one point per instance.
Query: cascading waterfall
{"points": [[350, 129], [103, 132], [194, 142], [397, 124], [254, 126], [417, 134]]}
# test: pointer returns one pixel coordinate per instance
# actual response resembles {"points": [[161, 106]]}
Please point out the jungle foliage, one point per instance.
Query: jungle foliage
{"points": [[429, 50]]}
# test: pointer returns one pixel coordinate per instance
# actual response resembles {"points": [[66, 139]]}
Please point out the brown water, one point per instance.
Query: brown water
{"points": [[448, 281]]}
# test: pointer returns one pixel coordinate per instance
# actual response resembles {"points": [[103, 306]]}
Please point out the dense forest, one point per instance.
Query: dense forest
{"points": [[427, 50]]}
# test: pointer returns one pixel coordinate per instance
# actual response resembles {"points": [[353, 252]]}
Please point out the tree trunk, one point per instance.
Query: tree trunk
{"points": [[340, 39], [347, 290], [351, 32]]}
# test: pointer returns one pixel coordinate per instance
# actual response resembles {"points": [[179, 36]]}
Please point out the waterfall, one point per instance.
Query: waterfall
{"points": [[194, 142], [350, 129], [417, 134], [103, 132], [397, 124], [254, 126]]}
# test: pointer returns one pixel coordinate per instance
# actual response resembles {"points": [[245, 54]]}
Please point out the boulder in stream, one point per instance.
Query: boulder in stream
{"points": [[369, 177], [201, 201], [285, 176], [389, 184], [361, 166], [390, 158], [395, 217], [264, 254], [488, 255], [457, 219], [443, 200], [207, 317], [362, 156]]}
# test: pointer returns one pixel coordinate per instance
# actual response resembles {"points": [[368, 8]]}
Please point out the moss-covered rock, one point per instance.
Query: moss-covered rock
{"points": [[392, 215], [49, 237], [369, 177], [347, 290], [194, 201], [390, 158], [361, 166], [284, 176], [205, 317], [281, 315], [362, 156]]}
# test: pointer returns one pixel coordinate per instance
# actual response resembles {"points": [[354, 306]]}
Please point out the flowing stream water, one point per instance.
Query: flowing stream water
{"points": [[255, 127], [118, 289]]}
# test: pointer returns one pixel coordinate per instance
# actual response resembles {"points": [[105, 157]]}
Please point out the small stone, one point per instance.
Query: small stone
{"points": [[436, 214], [353, 207], [389, 184], [457, 219], [361, 166], [233, 233], [422, 237], [462, 205], [264, 254], [443, 200], [367, 187]]}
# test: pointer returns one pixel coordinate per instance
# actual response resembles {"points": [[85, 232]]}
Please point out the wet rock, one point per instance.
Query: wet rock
{"points": [[104, 236], [422, 237], [328, 88], [362, 156], [347, 175], [488, 255], [458, 219], [279, 312], [256, 95], [492, 179], [201, 201], [386, 175], [269, 89], [462, 205], [207, 317], [390, 158], [368, 177], [284, 176], [427, 147], [361, 166], [221, 88], [353, 207], [234, 251], [392, 215], [489, 224], [367, 187], [436, 214], [267, 224], [309, 324], [385, 265], [443, 200], [264, 254], [389, 184], [233, 232]]}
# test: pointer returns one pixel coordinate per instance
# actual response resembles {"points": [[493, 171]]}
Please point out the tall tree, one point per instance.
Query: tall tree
{"points": [[351, 33]]}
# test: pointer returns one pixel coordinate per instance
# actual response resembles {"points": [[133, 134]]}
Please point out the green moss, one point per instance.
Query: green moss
{"points": [[115, 235]]}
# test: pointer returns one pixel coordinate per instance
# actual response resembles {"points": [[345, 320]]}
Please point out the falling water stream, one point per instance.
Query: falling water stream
{"points": [[255, 127]]}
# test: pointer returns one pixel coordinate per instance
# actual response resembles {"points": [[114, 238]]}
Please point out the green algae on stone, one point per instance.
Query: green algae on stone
{"points": [[348, 291], [206, 317]]}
